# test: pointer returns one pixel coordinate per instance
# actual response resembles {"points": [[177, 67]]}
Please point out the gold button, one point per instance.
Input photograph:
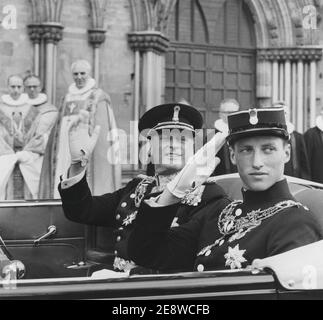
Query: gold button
{"points": [[207, 253], [121, 229], [118, 239], [118, 216], [123, 204], [132, 196], [200, 268], [116, 253]]}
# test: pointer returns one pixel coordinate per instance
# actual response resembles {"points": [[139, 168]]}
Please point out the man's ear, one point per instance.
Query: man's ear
{"points": [[232, 155], [287, 149]]}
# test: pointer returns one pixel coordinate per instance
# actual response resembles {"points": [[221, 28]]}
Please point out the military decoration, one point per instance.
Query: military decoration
{"points": [[129, 219], [234, 257], [193, 196]]}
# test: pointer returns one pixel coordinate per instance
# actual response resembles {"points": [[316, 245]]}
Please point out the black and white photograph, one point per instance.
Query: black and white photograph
{"points": [[161, 150]]}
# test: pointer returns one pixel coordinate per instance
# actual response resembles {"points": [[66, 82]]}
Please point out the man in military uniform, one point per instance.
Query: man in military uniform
{"points": [[119, 209], [224, 233]]}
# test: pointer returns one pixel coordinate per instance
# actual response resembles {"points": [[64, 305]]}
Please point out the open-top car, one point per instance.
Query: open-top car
{"points": [[59, 257]]}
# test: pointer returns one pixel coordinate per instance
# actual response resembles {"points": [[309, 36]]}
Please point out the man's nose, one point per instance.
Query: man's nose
{"points": [[257, 162]]}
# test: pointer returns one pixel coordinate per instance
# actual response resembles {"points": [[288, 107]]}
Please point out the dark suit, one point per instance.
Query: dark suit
{"points": [[314, 144], [119, 209], [194, 245], [298, 165]]}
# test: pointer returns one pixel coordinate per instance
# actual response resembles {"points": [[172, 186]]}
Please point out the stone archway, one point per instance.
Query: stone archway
{"points": [[286, 58]]}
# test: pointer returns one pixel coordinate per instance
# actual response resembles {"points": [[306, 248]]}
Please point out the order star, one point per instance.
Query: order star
{"points": [[234, 257]]}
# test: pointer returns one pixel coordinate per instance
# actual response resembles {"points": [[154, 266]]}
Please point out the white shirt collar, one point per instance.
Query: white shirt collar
{"points": [[73, 90], [23, 99], [42, 98]]}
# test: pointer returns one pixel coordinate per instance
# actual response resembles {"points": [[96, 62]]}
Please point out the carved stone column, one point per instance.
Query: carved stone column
{"points": [[52, 34], [289, 66], [312, 93], [300, 96], [96, 38], [152, 45], [35, 32], [275, 80], [288, 77]]}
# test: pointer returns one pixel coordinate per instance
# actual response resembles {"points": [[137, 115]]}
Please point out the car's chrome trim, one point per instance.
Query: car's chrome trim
{"points": [[21, 204], [208, 295]]}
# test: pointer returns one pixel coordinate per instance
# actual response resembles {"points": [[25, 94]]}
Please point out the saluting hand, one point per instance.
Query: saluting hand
{"points": [[199, 167], [81, 142]]}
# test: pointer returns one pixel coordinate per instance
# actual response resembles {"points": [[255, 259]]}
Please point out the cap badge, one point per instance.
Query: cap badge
{"points": [[176, 113], [253, 116]]}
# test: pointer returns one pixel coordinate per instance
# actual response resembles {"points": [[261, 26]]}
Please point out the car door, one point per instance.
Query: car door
{"points": [[61, 247]]}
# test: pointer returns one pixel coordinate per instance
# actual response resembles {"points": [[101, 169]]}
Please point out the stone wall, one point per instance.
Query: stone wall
{"points": [[16, 51]]}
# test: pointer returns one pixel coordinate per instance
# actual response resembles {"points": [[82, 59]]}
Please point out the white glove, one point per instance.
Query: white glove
{"points": [[23, 156], [81, 142], [198, 168]]}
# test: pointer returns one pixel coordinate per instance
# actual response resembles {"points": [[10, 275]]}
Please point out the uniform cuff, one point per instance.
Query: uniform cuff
{"points": [[70, 182], [76, 192]]}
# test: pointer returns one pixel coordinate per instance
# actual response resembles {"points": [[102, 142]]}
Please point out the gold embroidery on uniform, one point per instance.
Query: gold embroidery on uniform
{"points": [[230, 224], [193, 196]]}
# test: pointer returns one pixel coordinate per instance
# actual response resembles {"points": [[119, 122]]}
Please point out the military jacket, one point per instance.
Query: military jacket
{"points": [[223, 234], [119, 209]]}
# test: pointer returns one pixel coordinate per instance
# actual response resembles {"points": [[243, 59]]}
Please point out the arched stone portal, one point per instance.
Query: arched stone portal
{"points": [[212, 55], [285, 40]]}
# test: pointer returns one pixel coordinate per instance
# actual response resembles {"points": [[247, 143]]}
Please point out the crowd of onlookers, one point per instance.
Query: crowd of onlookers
{"points": [[34, 150]]}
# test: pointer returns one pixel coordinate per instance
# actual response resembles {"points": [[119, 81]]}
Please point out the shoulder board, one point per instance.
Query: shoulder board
{"points": [[194, 196]]}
